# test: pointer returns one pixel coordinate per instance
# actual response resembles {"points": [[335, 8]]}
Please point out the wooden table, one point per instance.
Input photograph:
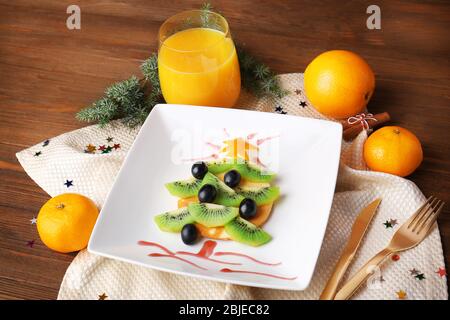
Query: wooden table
{"points": [[49, 72]]}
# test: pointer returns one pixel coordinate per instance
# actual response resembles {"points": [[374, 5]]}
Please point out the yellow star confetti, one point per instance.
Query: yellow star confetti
{"points": [[238, 148], [102, 296], [401, 295]]}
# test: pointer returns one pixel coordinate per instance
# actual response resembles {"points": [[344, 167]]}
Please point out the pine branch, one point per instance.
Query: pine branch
{"points": [[101, 111], [256, 77], [207, 19], [149, 69], [206, 6], [125, 93]]}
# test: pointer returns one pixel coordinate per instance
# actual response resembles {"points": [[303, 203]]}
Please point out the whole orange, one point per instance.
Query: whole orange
{"points": [[393, 150], [339, 83], [65, 222]]}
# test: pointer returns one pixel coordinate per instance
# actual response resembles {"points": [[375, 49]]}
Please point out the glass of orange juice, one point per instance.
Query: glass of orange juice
{"points": [[197, 60]]}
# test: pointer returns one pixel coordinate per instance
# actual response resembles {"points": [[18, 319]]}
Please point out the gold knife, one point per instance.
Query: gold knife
{"points": [[358, 230]]}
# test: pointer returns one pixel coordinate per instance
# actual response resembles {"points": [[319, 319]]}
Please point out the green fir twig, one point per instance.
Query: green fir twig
{"points": [[257, 78]]}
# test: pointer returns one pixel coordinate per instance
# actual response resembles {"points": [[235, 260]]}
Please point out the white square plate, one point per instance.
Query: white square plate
{"points": [[303, 152]]}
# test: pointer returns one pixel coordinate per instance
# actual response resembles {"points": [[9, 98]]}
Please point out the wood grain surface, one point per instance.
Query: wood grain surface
{"points": [[47, 73]]}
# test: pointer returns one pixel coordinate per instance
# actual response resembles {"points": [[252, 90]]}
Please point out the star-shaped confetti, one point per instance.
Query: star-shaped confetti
{"points": [[297, 91], [393, 222], [116, 146], [109, 139], [401, 294], [33, 221], [395, 257], [102, 296], [68, 183], [30, 243], [107, 149], [37, 154], [420, 276], [303, 104], [387, 224], [279, 110], [46, 142], [414, 272], [441, 272], [90, 148], [101, 148]]}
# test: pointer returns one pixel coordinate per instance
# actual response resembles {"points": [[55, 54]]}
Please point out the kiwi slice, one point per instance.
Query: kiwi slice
{"points": [[174, 221], [225, 195], [241, 230], [184, 188], [253, 173], [217, 167], [212, 215], [260, 195]]}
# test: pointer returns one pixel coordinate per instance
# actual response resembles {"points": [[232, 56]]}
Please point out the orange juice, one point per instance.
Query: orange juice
{"points": [[199, 66]]}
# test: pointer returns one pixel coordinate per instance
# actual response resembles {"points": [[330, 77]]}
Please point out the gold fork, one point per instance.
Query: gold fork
{"points": [[409, 235]]}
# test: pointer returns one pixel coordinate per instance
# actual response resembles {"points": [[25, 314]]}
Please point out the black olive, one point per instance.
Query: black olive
{"points": [[247, 208], [232, 178], [189, 233], [207, 193], [199, 169]]}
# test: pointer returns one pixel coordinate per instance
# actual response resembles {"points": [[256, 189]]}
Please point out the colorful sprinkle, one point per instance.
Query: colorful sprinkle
{"points": [[401, 295], [68, 183], [441, 272], [102, 296], [107, 149], [414, 272], [393, 222], [387, 224], [420, 276], [90, 148], [279, 110]]}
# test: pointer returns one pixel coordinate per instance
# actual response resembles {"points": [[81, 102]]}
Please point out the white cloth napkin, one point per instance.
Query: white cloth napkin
{"points": [[69, 163]]}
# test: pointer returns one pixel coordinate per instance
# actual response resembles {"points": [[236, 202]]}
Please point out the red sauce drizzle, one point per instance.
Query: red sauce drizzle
{"points": [[214, 146], [175, 257], [154, 244], [212, 156], [258, 273], [169, 254], [206, 251], [246, 256], [260, 141], [258, 161]]}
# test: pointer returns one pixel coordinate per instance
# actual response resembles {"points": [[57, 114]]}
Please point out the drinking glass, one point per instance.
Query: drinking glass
{"points": [[197, 60]]}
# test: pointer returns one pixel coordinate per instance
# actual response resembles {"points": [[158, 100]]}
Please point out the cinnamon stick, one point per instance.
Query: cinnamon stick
{"points": [[351, 131]]}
